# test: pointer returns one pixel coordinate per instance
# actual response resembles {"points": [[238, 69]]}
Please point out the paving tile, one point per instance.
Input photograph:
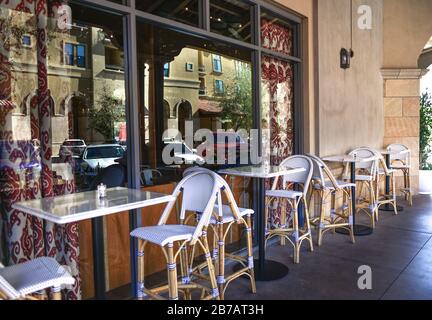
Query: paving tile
{"points": [[410, 287]]}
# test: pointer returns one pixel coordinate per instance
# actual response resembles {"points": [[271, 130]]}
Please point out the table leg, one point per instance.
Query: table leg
{"points": [[98, 258], [359, 230], [387, 206], [266, 270]]}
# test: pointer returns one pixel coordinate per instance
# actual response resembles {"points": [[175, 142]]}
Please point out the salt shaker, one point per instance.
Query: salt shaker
{"points": [[354, 155], [101, 190]]}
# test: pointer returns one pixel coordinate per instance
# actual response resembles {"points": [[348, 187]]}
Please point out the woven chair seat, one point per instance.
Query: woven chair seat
{"points": [[289, 194], [35, 275], [228, 216], [162, 235]]}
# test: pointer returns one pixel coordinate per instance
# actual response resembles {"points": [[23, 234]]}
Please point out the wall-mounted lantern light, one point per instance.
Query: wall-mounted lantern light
{"points": [[345, 58]]}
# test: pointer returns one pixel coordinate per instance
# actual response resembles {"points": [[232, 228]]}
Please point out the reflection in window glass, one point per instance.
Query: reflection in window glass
{"points": [[173, 110], [231, 18], [67, 112], [276, 34], [166, 69], [179, 10], [217, 63], [80, 56], [69, 54], [198, 96], [219, 87], [26, 41]]}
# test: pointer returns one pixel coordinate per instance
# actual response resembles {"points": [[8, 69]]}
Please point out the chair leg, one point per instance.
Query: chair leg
{"points": [[250, 252], [172, 273], [309, 230], [410, 199], [210, 267], [185, 274], [372, 204], [266, 212], [296, 233], [221, 260], [393, 194], [283, 219], [140, 285], [321, 219], [56, 293], [350, 216]]}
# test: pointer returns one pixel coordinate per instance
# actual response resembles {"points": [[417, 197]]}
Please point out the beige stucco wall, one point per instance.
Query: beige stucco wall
{"points": [[350, 101]]}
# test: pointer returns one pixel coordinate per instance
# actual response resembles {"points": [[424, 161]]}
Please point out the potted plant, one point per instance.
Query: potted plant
{"points": [[425, 144]]}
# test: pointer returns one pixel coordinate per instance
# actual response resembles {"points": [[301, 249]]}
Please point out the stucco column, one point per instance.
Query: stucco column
{"points": [[402, 114]]}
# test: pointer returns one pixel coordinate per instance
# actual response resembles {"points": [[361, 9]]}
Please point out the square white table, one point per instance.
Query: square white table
{"points": [[266, 270], [87, 205], [359, 230]]}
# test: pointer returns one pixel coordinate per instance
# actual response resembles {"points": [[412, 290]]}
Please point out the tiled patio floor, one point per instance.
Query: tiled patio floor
{"points": [[399, 253]]}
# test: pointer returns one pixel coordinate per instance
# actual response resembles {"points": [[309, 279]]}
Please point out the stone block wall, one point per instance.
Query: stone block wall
{"points": [[402, 114]]}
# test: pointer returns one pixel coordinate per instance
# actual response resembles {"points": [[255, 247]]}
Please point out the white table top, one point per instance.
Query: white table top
{"points": [[260, 171], [87, 205], [345, 158]]}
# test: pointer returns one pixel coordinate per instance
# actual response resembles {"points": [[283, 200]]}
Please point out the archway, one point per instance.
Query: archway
{"points": [[75, 107], [184, 113]]}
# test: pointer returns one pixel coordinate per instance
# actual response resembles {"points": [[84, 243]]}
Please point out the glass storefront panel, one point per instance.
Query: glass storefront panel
{"points": [[231, 18], [276, 34], [192, 91], [62, 91], [277, 121], [179, 10]]}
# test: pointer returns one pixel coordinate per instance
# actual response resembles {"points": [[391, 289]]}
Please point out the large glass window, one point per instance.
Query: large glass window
{"points": [[231, 18], [276, 33], [62, 124], [185, 11], [174, 110]]}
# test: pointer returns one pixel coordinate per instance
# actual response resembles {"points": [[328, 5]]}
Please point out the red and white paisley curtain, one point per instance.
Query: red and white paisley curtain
{"points": [[25, 163], [277, 88]]}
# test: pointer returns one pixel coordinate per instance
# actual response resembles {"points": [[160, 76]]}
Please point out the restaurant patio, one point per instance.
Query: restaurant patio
{"points": [[215, 149]]}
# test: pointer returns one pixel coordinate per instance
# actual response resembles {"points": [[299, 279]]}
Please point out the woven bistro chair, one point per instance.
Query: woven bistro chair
{"points": [[402, 162], [198, 193], [325, 186], [224, 217], [365, 178], [382, 173], [29, 279], [289, 228]]}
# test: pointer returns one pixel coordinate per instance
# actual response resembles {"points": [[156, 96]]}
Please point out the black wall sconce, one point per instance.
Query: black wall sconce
{"points": [[345, 58]]}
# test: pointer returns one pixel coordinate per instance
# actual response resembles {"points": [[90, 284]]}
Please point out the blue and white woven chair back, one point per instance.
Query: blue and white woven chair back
{"points": [[366, 153], [404, 156], [318, 166], [303, 177], [223, 187]]}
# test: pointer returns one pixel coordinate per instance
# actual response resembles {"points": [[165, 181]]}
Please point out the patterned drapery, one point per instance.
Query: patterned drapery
{"points": [[278, 113], [25, 164]]}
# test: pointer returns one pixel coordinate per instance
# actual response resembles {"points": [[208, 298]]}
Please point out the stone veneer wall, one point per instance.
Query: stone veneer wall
{"points": [[402, 114]]}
